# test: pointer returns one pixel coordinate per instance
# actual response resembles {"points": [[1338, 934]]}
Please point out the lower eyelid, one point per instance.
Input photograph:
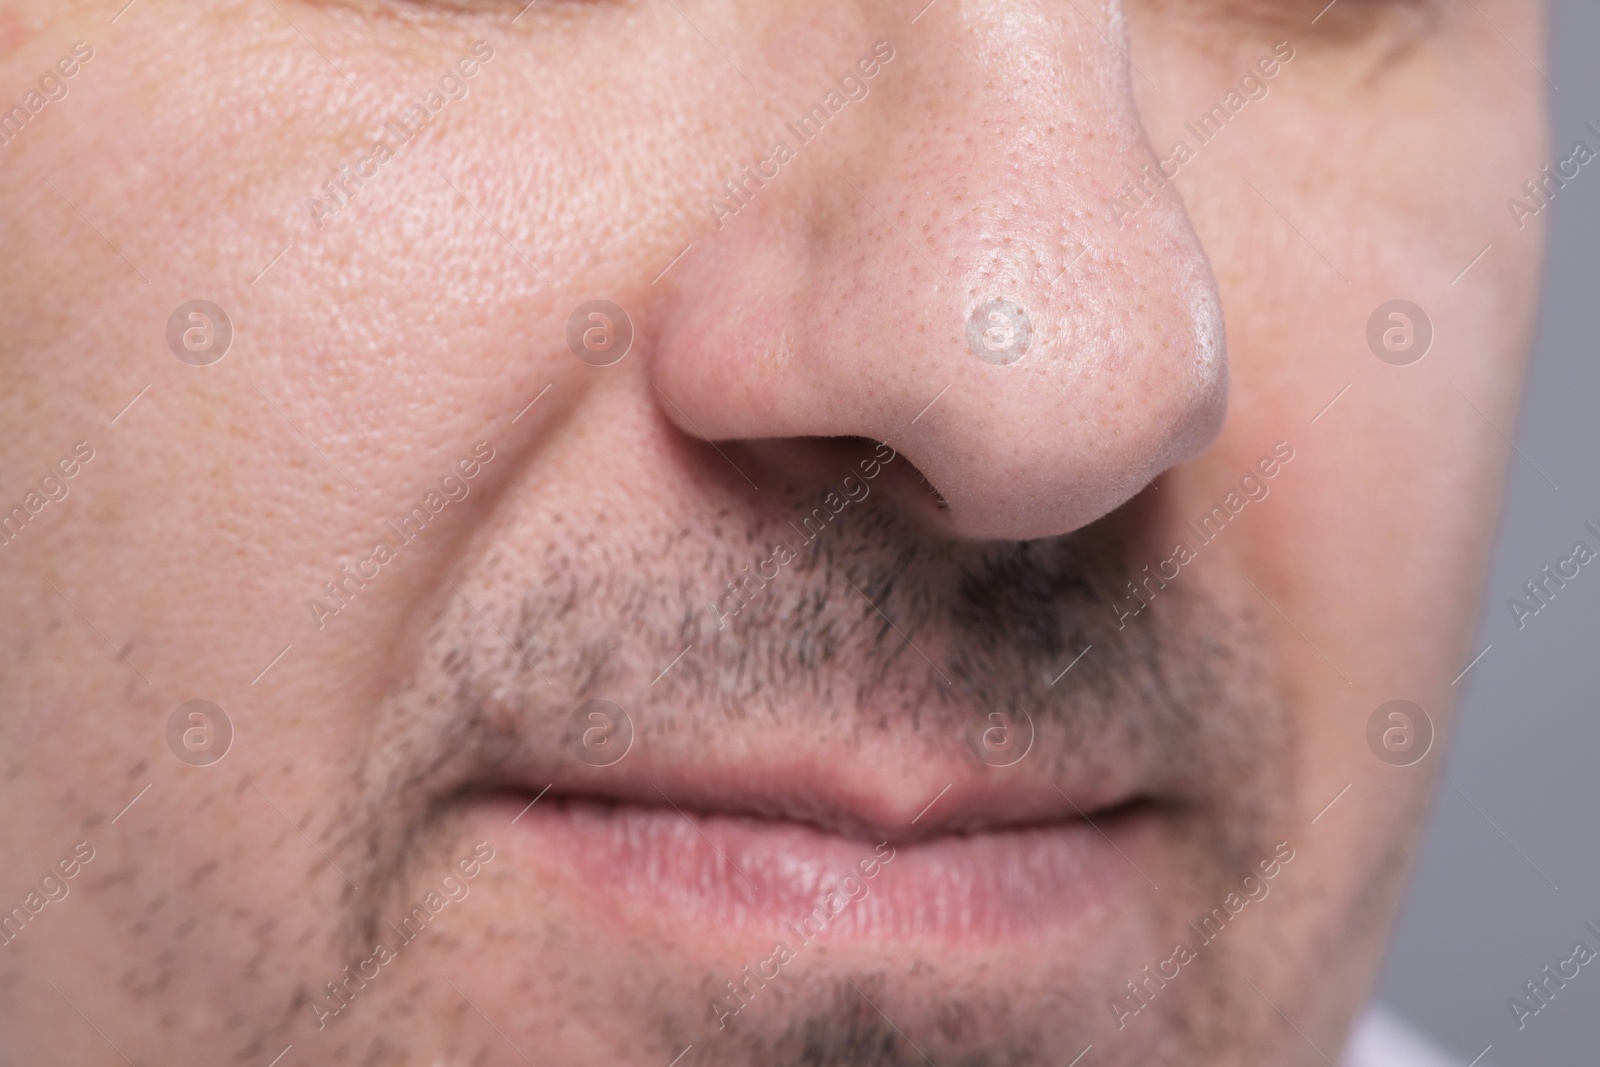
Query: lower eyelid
{"points": [[1343, 20]]}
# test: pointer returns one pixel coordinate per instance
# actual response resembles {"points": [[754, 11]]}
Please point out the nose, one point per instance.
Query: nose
{"points": [[938, 265]]}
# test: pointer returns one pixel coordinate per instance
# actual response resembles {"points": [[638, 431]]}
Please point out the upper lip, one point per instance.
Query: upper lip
{"points": [[849, 797]]}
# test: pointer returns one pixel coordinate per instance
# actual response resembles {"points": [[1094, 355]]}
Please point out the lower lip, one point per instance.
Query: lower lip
{"points": [[738, 873]]}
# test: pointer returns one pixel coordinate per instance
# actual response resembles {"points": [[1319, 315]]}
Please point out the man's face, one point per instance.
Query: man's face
{"points": [[978, 510]]}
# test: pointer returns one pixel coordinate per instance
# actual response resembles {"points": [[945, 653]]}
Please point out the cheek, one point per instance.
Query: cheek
{"points": [[1388, 506]]}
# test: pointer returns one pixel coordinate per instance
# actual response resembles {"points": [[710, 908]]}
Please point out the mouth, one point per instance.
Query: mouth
{"points": [[962, 854], [893, 690]]}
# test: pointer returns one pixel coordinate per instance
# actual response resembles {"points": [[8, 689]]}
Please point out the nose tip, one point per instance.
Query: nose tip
{"points": [[1050, 391], [1066, 395]]}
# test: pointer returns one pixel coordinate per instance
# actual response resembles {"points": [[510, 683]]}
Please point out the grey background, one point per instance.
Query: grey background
{"points": [[1480, 919]]}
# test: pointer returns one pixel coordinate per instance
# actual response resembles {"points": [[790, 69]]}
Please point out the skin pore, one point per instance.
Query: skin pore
{"points": [[936, 537]]}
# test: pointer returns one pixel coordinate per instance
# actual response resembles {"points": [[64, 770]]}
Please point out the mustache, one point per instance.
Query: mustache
{"points": [[874, 626]]}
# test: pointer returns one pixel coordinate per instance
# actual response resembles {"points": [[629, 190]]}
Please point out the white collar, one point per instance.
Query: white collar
{"points": [[1383, 1039]]}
